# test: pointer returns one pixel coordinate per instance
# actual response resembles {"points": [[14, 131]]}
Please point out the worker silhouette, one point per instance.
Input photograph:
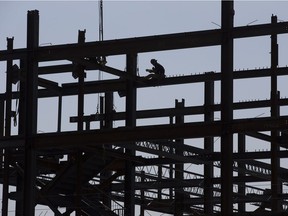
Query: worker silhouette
{"points": [[157, 71]]}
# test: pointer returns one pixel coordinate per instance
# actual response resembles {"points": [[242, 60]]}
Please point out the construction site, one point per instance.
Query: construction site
{"points": [[140, 166]]}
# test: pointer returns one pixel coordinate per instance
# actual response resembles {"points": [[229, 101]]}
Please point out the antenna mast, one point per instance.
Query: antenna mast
{"points": [[100, 59], [101, 20]]}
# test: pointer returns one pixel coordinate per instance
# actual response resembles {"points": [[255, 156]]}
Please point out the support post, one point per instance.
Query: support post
{"points": [[2, 119], [227, 17], [108, 124], [5, 190], [21, 132], [209, 147], [79, 71], [59, 113], [276, 185], [129, 185], [171, 165], [31, 84], [160, 173], [2, 122], [179, 167], [241, 172], [142, 206]]}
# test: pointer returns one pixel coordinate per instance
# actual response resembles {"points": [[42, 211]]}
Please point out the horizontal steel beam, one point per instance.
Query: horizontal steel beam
{"points": [[175, 183], [166, 112], [91, 87], [156, 132], [145, 44]]}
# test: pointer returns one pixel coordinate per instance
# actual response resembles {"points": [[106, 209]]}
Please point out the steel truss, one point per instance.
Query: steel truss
{"points": [[110, 171]]}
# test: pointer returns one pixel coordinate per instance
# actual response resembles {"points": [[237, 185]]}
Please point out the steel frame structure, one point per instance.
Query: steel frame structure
{"points": [[106, 171]]}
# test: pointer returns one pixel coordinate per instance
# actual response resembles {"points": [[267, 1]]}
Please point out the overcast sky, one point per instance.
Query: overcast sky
{"points": [[61, 20]]}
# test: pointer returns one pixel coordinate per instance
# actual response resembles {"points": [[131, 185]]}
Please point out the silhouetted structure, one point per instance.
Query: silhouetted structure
{"points": [[98, 172]]}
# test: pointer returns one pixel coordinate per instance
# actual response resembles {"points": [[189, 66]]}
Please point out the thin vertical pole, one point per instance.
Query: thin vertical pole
{"points": [[227, 18], [59, 113], [5, 189], [129, 185], [31, 96], [171, 170], [209, 147], [102, 122], [275, 95]]}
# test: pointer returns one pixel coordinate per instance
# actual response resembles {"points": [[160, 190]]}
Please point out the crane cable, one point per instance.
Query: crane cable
{"points": [[100, 75]]}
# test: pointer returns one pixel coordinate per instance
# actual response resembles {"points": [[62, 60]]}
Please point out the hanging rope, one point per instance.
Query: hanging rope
{"points": [[100, 58]]}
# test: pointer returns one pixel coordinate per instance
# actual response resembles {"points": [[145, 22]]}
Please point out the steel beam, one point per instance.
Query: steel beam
{"points": [[241, 172], [179, 167], [108, 124], [91, 87], [155, 132], [31, 97], [131, 107], [276, 185], [8, 116], [227, 23], [146, 44], [196, 110], [174, 183], [208, 146]]}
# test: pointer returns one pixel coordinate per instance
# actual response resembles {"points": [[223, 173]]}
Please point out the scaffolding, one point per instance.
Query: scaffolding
{"points": [[112, 170]]}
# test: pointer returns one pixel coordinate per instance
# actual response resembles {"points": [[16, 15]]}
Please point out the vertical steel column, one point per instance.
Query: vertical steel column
{"points": [[59, 113], [142, 206], [241, 172], [131, 95], [108, 123], [2, 110], [5, 190], [209, 147], [227, 17], [31, 94], [179, 193], [22, 98], [78, 210], [171, 171], [102, 111], [8, 90], [2, 120], [21, 131], [79, 70], [276, 186], [108, 109], [160, 173]]}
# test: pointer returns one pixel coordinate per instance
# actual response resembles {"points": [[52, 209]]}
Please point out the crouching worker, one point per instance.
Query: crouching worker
{"points": [[157, 71]]}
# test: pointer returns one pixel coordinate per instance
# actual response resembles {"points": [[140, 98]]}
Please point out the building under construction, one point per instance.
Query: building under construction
{"points": [[108, 170]]}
